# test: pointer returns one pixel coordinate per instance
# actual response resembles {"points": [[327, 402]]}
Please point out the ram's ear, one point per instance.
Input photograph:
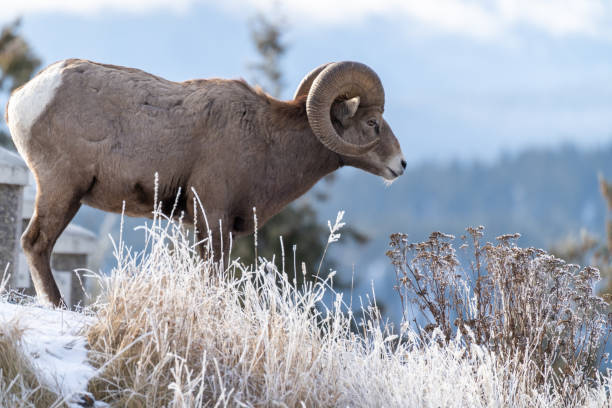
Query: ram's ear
{"points": [[343, 111]]}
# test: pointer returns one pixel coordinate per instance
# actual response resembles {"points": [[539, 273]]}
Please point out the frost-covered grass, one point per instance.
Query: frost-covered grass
{"points": [[173, 330]]}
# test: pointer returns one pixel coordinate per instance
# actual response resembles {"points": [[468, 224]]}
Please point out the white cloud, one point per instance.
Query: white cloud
{"points": [[15, 8], [477, 18], [558, 17]]}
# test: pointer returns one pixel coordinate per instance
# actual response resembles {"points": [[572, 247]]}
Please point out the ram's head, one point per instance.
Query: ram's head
{"points": [[345, 103]]}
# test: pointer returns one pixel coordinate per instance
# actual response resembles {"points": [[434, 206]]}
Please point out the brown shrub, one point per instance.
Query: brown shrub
{"points": [[522, 304]]}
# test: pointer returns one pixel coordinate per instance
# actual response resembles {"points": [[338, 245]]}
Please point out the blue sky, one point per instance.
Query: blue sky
{"points": [[464, 79]]}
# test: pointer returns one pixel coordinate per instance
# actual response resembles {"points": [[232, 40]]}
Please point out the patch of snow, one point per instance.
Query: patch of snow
{"points": [[55, 346]]}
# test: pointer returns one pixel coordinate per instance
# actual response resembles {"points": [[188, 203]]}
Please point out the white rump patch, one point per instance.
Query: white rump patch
{"points": [[28, 103]]}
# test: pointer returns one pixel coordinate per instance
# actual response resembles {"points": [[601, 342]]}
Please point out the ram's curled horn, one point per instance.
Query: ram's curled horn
{"points": [[304, 86], [342, 80]]}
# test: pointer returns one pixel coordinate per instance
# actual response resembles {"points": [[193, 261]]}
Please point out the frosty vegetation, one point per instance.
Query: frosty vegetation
{"points": [[522, 304], [172, 329]]}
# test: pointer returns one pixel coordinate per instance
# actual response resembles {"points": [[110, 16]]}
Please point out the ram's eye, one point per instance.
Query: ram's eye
{"points": [[374, 123]]}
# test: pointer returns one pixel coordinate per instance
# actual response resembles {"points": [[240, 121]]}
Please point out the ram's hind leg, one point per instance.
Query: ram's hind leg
{"points": [[56, 204]]}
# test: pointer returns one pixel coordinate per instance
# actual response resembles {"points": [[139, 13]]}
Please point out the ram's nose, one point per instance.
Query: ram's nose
{"points": [[398, 164]]}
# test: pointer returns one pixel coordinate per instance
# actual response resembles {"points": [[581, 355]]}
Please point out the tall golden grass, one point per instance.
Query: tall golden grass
{"points": [[174, 330]]}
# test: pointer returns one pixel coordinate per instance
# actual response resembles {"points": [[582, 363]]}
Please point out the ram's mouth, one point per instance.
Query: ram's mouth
{"points": [[395, 175]]}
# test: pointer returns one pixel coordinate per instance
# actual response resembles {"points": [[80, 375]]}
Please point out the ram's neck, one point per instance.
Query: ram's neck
{"points": [[297, 159]]}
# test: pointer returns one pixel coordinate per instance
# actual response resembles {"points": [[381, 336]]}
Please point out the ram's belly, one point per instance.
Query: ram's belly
{"points": [[110, 194], [137, 183]]}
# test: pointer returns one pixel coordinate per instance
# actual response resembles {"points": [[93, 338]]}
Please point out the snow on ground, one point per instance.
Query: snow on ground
{"points": [[51, 339]]}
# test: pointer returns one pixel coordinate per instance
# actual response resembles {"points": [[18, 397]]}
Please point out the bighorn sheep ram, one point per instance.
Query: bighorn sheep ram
{"points": [[95, 134]]}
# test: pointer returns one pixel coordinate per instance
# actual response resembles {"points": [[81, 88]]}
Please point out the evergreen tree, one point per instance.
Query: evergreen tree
{"points": [[17, 65]]}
